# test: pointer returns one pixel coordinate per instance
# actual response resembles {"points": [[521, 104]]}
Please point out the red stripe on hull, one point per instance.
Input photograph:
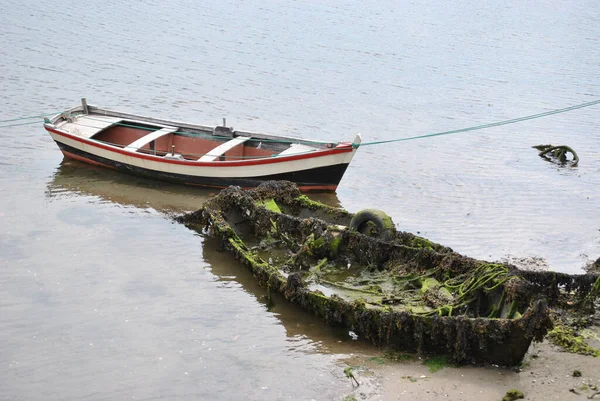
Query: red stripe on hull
{"points": [[319, 188]]}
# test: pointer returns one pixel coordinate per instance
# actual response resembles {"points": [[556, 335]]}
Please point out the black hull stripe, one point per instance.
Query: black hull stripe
{"points": [[315, 177]]}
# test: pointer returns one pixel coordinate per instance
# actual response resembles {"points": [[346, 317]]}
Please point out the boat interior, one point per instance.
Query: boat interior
{"points": [[420, 288], [191, 143]]}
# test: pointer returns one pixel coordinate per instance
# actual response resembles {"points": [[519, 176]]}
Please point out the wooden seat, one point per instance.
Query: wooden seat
{"points": [[86, 126], [222, 149], [297, 148], [146, 139]]}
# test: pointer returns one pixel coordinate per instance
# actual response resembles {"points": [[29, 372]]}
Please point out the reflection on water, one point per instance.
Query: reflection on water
{"points": [[73, 178], [103, 297], [298, 322]]}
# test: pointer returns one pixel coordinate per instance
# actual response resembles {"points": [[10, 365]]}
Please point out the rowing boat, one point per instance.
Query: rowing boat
{"points": [[216, 156]]}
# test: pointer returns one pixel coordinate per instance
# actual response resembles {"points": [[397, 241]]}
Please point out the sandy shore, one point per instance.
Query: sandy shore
{"points": [[545, 374]]}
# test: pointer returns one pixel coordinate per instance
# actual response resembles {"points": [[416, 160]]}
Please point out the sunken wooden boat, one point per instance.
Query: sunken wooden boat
{"points": [[180, 152], [392, 288]]}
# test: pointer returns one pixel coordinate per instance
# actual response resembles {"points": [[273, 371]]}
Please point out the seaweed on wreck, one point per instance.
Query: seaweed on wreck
{"points": [[512, 395], [569, 340], [408, 293]]}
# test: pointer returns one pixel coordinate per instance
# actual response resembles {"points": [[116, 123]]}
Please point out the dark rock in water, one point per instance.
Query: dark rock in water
{"points": [[557, 153]]}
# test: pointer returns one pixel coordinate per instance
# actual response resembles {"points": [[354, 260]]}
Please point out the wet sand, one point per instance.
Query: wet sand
{"points": [[545, 374]]}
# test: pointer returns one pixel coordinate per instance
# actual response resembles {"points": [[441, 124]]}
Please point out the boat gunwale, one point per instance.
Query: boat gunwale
{"points": [[95, 110]]}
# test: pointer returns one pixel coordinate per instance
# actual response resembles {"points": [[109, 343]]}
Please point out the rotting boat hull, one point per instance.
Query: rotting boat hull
{"points": [[464, 338]]}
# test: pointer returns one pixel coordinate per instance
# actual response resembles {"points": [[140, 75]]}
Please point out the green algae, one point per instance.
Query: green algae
{"points": [[270, 204], [513, 311], [419, 242], [349, 374], [396, 356], [393, 357], [334, 246], [437, 363], [388, 223], [379, 360], [429, 283], [512, 395], [435, 295], [309, 203], [316, 244], [496, 309], [567, 339], [321, 264]]}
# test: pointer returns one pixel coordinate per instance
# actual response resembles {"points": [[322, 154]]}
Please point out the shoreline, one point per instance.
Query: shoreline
{"points": [[546, 373]]}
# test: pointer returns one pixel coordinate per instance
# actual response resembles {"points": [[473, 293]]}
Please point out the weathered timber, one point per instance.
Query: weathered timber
{"points": [[405, 292]]}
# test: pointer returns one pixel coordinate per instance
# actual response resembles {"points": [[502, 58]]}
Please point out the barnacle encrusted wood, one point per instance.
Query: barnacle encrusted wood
{"points": [[405, 291]]}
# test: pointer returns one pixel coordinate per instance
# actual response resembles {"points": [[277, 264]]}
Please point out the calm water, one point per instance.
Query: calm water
{"points": [[103, 297]]}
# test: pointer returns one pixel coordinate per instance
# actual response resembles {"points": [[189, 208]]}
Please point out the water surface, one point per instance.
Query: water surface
{"points": [[102, 296]]}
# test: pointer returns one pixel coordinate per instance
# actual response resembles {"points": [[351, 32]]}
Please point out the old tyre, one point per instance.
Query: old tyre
{"points": [[374, 223]]}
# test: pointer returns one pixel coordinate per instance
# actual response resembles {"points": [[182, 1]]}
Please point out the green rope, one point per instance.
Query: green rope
{"points": [[17, 125], [30, 117], [478, 278], [456, 131], [477, 127], [496, 124], [486, 277]]}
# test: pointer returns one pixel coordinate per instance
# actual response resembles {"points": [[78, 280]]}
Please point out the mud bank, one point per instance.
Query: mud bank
{"points": [[546, 373]]}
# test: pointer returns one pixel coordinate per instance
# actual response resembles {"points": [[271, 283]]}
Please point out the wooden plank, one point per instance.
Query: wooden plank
{"points": [[86, 127], [154, 135], [297, 148], [222, 149]]}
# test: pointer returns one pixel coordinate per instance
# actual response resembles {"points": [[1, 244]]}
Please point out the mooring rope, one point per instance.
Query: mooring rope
{"points": [[30, 117], [456, 131], [19, 124], [495, 124]]}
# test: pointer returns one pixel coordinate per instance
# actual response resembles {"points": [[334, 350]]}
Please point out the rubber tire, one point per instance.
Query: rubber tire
{"points": [[377, 217]]}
